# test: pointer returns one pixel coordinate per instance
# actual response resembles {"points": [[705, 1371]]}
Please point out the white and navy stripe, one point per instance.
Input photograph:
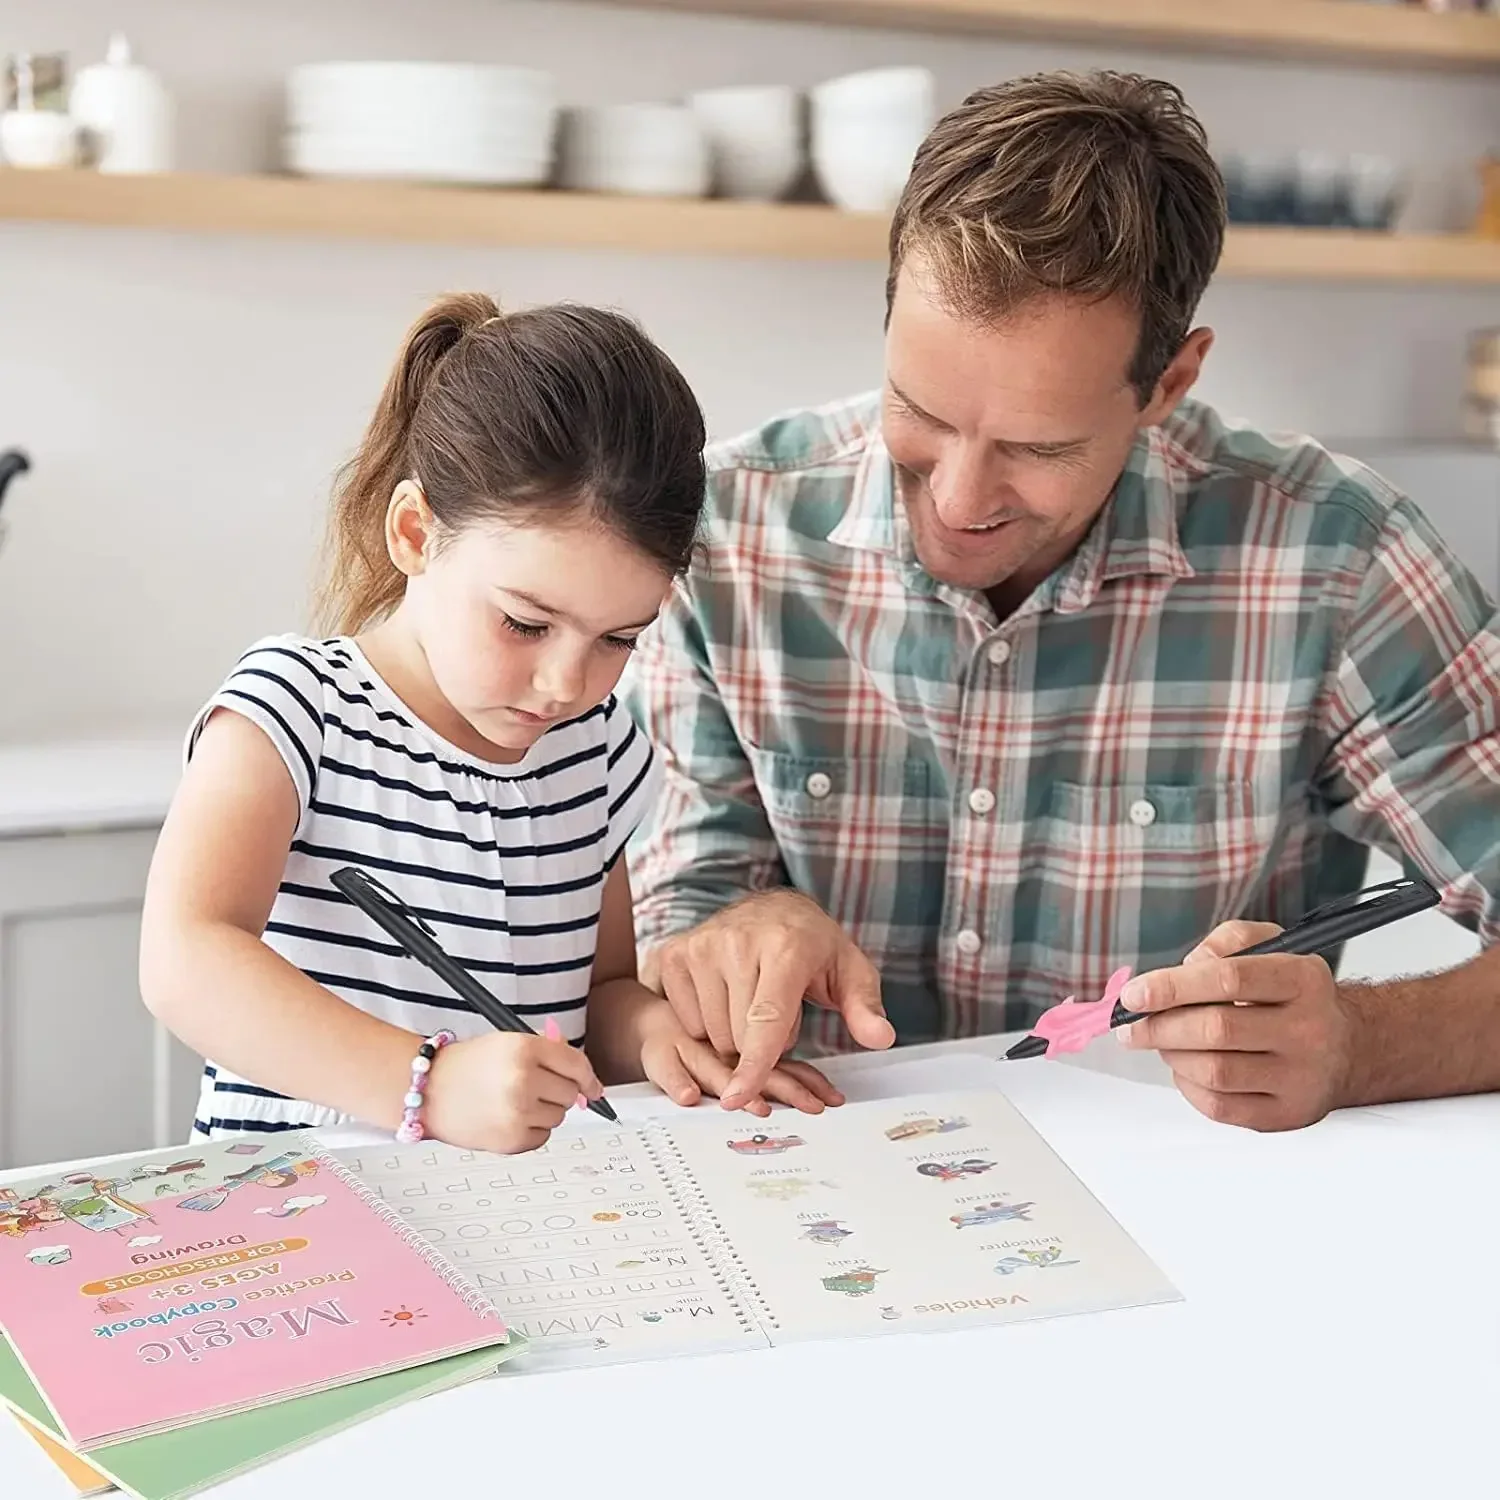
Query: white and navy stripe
{"points": [[507, 863]]}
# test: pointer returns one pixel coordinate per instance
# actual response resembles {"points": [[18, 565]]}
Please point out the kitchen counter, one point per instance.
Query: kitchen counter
{"points": [[75, 786]]}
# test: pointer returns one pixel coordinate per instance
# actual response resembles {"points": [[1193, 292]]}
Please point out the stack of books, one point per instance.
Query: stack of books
{"points": [[174, 1318]]}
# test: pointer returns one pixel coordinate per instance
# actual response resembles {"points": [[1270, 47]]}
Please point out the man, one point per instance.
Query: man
{"points": [[1030, 667]]}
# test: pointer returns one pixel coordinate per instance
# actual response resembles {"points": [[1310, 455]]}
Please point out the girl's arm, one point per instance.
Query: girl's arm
{"points": [[204, 972], [621, 1009]]}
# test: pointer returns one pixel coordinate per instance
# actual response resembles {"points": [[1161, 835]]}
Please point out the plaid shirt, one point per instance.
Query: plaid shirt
{"points": [[1259, 660]]}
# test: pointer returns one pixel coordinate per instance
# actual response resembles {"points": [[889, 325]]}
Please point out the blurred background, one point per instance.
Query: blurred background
{"points": [[213, 232]]}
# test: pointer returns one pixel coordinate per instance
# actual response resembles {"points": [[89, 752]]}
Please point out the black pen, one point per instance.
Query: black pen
{"points": [[416, 939], [1326, 927]]}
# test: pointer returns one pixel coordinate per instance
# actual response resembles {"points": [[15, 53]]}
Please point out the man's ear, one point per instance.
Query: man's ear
{"points": [[409, 528], [1178, 378]]}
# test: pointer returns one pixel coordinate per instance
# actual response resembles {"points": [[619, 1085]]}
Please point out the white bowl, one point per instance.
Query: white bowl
{"points": [[864, 169], [864, 174], [754, 137], [866, 128], [38, 138], [653, 150], [905, 91]]}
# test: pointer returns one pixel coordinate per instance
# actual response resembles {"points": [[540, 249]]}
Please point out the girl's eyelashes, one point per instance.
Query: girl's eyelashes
{"points": [[522, 628], [532, 632]]}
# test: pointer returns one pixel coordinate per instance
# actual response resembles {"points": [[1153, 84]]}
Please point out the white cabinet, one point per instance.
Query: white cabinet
{"points": [[84, 1069]]}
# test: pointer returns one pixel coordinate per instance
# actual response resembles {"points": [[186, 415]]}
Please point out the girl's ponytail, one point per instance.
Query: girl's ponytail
{"points": [[360, 584]]}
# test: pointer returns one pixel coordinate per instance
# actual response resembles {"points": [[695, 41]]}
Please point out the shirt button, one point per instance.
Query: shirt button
{"points": [[969, 942], [818, 785], [1142, 813], [981, 800], [999, 653]]}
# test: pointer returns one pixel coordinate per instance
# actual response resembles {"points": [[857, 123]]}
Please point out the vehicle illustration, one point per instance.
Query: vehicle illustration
{"points": [[765, 1145], [991, 1213], [949, 1171], [909, 1130]]}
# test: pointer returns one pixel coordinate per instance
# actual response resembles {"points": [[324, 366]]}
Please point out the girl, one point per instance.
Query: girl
{"points": [[528, 488]]}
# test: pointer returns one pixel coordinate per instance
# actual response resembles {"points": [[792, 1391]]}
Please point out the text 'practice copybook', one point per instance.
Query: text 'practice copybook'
{"points": [[151, 1291], [718, 1232]]}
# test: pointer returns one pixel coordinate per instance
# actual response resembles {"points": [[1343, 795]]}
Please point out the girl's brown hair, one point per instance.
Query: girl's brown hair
{"points": [[518, 416]]}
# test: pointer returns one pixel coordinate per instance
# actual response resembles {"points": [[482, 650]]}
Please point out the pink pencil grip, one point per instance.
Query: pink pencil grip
{"points": [[553, 1034], [1071, 1026]]}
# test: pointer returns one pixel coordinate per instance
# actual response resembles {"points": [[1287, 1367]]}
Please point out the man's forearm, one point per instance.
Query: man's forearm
{"points": [[1429, 1037]]}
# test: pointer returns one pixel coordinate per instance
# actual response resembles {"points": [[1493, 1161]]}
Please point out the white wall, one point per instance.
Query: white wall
{"points": [[185, 399]]}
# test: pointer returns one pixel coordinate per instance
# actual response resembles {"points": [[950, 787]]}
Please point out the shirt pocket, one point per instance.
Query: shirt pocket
{"points": [[864, 837], [1139, 873]]}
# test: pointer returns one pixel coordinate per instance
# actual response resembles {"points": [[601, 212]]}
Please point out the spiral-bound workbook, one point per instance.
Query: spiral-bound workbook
{"points": [[147, 1292], [714, 1231]]}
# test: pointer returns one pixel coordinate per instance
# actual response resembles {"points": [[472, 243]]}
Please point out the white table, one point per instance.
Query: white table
{"points": [[1340, 1337]]}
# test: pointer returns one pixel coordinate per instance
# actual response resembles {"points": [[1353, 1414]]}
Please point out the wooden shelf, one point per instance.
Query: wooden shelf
{"points": [[1347, 31], [1353, 256], [439, 215], [292, 206]]}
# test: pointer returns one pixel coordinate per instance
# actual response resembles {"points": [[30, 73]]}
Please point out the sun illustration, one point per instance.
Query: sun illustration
{"points": [[402, 1317]]}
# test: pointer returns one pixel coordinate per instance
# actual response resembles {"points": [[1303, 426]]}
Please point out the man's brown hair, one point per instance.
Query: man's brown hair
{"points": [[1094, 185]]}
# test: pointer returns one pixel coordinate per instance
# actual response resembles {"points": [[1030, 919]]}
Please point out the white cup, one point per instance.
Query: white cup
{"points": [[1375, 185], [754, 139], [38, 138]]}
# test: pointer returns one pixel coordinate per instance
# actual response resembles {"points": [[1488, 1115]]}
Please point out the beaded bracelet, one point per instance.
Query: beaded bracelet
{"points": [[410, 1128]]}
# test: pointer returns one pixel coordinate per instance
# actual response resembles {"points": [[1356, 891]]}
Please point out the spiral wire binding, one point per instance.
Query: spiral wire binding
{"points": [[708, 1233], [469, 1294]]}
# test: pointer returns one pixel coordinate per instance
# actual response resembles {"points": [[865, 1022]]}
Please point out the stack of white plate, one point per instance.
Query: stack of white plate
{"points": [[424, 122]]}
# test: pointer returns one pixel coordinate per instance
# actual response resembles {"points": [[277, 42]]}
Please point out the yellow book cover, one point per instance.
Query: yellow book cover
{"points": [[81, 1474]]}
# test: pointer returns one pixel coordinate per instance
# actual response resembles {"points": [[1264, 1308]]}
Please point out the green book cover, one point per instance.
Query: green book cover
{"points": [[170, 1465]]}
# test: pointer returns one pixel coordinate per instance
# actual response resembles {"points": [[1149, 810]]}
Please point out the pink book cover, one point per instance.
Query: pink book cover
{"points": [[145, 1292]]}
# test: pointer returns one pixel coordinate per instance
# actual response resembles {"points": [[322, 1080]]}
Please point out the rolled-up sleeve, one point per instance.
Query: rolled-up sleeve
{"points": [[1413, 719]]}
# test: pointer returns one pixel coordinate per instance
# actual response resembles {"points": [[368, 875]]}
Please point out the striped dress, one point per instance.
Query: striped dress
{"points": [[506, 862]]}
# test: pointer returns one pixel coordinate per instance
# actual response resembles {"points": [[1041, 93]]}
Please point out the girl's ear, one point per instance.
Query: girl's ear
{"points": [[409, 529]]}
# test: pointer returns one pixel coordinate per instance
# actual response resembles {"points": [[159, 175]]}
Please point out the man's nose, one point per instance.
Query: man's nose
{"points": [[965, 489]]}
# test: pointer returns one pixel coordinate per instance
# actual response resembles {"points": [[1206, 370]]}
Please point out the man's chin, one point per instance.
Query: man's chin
{"points": [[978, 573]]}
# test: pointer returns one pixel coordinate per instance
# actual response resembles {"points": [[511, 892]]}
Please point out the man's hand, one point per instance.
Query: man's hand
{"points": [[738, 981], [686, 1069], [1278, 1058]]}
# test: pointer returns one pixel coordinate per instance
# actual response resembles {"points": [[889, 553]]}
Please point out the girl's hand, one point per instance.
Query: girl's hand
{"points": [[685, 1069], [505, 1092]]}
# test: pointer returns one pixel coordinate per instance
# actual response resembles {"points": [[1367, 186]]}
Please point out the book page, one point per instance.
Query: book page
{"points": [[579, 1244], [919, 1213]]}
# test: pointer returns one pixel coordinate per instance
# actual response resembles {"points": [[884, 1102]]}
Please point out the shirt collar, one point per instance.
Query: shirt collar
{"points": [[1136, 531]]}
